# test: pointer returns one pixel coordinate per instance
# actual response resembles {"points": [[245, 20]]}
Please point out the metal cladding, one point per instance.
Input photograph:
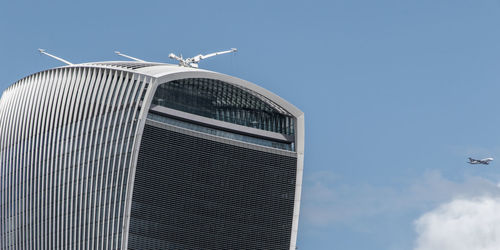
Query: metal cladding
{"points": [[66, 137], [70, 139]]}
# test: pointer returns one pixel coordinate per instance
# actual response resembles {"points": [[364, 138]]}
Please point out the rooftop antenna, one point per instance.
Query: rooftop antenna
{"points": [[129, 57], [193, 61], [55, 57]]}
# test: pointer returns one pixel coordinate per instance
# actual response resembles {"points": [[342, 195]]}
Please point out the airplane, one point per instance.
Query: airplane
{"points": [[484, 161]]}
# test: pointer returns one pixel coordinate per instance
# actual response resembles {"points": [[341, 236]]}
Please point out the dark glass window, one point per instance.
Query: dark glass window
{"points": [[195, 193], [221, 133], [225, 102]]}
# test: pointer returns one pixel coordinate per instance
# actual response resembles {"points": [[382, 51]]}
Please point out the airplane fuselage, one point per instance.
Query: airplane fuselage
{"points": [[485, 161]]}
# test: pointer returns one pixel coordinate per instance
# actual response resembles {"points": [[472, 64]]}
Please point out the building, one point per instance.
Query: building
{"points": [[114, 155]]}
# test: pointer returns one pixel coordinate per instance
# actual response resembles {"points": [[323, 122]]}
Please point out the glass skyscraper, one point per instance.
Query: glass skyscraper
{"points": [[116, 155]]}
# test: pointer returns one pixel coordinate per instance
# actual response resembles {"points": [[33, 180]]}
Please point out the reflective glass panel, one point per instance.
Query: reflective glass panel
{"points": [[225, 102]]}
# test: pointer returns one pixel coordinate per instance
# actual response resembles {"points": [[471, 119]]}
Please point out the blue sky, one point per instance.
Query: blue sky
{"points": [[396, 94]]}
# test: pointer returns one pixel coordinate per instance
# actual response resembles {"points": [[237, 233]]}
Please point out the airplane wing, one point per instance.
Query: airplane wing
{"points": [[473, 161]]}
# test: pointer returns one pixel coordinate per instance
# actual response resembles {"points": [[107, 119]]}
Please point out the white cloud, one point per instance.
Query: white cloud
{"points": [[461, 224], [458, 215], [327, 201]]}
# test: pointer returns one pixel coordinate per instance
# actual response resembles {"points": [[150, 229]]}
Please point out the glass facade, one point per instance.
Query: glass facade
{"points": [[70, 152], [225, 134], [225, 102], [196, 193]]}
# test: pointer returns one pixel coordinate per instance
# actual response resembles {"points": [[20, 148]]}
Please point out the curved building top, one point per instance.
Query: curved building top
{"points": [[158, 70], [212, 95]]}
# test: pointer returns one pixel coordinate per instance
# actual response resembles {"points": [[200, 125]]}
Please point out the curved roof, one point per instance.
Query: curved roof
{"points": [[166, 72]]}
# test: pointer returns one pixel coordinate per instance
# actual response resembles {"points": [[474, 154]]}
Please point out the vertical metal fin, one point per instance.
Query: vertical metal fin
{"points": [[65, 146]]}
